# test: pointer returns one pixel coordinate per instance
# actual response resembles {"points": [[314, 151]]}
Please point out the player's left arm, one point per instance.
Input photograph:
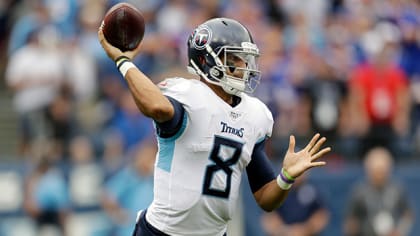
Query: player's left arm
{"points": [[265, 187]]}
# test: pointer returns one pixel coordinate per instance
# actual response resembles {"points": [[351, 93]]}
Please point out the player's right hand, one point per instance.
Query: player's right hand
{"points": [[114, 52]]}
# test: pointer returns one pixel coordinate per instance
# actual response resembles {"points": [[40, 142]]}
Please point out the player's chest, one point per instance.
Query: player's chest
{"points": [[231, 125]]}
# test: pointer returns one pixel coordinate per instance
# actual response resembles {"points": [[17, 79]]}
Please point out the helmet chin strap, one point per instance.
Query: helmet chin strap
{"points": [[230, 90], [232, 86]]}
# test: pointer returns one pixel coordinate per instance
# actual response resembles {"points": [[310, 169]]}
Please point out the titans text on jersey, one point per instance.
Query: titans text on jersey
{"points": [[228, 129]]}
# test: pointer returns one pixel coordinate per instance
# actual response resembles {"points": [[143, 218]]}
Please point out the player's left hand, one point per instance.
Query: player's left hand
{"points": [[114, 52], [296, 163]]}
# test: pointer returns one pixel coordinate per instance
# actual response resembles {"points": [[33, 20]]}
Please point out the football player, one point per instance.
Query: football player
{"points": [[209, 132]]}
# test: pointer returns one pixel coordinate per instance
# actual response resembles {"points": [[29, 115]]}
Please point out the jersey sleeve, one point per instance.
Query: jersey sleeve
{"points": [[270, 122], [260, 170], [176, 88], [171, 127], [266, 122]]}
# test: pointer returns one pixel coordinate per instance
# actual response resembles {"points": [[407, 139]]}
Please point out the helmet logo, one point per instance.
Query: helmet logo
{"points": [[201, 37]]}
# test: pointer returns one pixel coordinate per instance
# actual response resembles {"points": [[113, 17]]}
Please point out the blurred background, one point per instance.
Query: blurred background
{"points": [[76, 157]]}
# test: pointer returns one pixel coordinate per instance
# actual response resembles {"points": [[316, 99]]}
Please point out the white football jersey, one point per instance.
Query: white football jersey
{"points": [[198, 170]]}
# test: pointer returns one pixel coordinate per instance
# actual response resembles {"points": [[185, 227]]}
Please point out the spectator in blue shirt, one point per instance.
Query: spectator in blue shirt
{"points": [[129, 123], [46, 198], [130, 189]]}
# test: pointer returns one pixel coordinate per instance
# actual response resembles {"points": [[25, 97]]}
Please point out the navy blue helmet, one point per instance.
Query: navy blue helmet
{"points": [[213, 48]]}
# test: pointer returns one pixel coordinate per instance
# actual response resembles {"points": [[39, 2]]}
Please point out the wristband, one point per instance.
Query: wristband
{"points": [[287, 175], [125, 66], [120, 60], [283, 184], [284, 180]]}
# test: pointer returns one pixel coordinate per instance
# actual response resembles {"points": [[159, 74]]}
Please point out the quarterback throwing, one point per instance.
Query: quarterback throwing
{"points": [[210, 131]]}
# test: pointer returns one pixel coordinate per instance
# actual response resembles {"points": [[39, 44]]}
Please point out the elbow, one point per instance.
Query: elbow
{"points": [[268, 207], [268, 201]]}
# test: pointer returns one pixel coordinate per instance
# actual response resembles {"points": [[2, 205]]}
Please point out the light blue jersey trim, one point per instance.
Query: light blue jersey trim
{"points": [[167, 147]]}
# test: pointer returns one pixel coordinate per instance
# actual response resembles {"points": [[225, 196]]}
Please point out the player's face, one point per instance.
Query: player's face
{"points": [[235, 64], [240, 68]]}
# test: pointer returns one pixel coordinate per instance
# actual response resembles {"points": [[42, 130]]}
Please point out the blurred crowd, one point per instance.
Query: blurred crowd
{"points": [[349, 69]]}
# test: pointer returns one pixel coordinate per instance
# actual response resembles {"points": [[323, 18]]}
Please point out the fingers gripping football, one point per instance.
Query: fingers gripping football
{"points": [[296, 163], [112, 51]]}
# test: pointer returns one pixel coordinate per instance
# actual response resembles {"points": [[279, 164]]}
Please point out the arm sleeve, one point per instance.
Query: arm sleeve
{"points": [[169, 128], [259, 170]]}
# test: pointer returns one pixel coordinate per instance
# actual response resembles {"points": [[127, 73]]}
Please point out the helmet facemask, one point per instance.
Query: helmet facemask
{"points": [[234, 68]]}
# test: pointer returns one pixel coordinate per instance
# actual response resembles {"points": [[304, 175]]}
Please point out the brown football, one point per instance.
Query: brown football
{"points": [[124, 26]]}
